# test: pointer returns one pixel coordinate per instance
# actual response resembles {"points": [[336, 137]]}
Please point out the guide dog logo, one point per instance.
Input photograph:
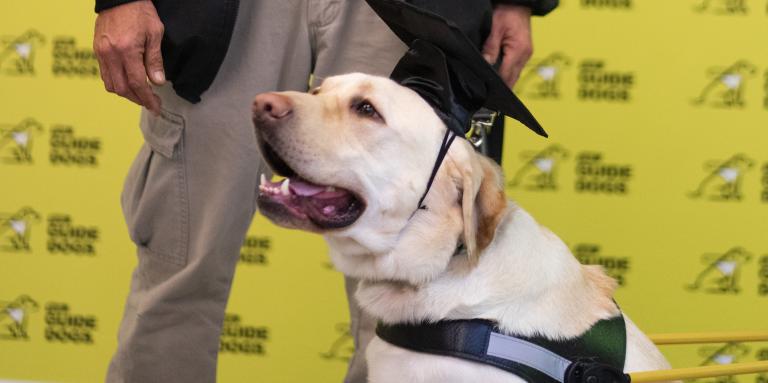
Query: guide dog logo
{"points": [[63, 326], [14, 317], [255, 250], [598, 83], [543, 77], [726, 86], [69, 149], [722, 272], [765, 89], [71, 60], [727, 7], [616, 267], [724, 179], [17, 53], [239, 338], [15, 229], [762, 280], [595, 175], [540, 169], [16, 141], [611, 4], [65, 237], [764, 183], [343, 347]]}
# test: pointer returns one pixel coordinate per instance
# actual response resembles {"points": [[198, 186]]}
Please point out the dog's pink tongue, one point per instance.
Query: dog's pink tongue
{"points": [[305, 188]]}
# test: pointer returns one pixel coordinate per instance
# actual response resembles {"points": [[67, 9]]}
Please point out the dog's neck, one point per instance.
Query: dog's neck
{"points": [[526, 280]]}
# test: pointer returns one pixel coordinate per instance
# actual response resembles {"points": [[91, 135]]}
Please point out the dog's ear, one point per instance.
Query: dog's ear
{"points": [[482, 198]]}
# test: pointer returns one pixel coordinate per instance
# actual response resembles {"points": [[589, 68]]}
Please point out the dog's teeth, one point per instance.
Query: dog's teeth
{"points": [[263, 180], [284, 187], [330, 189]]}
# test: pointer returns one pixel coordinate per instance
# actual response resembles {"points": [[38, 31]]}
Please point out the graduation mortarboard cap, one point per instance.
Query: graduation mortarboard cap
{"points": [[444, 65]]}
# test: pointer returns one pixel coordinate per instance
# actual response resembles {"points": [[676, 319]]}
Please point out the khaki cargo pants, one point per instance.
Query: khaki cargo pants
{"points": [[190, 195]]}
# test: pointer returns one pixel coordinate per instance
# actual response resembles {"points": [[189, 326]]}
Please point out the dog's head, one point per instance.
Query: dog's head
{"points": [[357, 153]]}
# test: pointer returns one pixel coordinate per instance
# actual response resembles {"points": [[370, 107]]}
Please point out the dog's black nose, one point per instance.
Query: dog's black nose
{"points": [[271, 106]]}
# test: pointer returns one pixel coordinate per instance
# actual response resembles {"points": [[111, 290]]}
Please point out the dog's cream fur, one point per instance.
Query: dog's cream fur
{"points": [[514, 272]]}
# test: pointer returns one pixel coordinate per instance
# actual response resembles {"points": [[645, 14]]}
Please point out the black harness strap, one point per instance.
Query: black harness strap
{"points": [[599, 353], [447, 141]]}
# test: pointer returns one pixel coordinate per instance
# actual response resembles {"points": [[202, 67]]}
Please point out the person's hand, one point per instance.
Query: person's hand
{"points": [[510, 37], [127, 45]]}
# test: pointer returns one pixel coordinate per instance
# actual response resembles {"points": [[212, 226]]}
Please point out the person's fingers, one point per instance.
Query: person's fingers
{"points": [[516, 53], [153, 58], [102, 50], [136, 80], [120, 82], [506, 69], [492, 44]]}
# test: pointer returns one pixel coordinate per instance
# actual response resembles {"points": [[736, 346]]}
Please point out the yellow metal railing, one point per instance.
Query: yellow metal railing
{"points": [[703, 371], [709, 337]]}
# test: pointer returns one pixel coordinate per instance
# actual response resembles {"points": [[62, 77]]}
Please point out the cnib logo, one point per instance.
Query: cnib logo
{"points": [[723, 183], [14, 317], [722, 7], [726, 86], [722, 272], [543, 77], [721, 355], [15, 229], [17, 53], [16, 141], [343, 347], [540, 169]]}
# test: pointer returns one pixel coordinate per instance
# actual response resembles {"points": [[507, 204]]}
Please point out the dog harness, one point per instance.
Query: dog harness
{"points": [[597, 356]]}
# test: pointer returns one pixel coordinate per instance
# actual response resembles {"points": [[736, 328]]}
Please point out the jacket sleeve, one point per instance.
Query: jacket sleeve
{"points": [[106, 4], [539, 7]]}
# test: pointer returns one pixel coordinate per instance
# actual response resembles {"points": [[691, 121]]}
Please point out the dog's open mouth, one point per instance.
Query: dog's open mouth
{"points": [[325, 206]]}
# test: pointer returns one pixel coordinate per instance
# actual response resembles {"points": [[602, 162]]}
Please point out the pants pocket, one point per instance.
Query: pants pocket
{"points": [[155, 196]]}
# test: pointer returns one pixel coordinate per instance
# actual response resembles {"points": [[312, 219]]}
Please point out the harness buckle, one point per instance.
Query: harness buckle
{"points": [[591, 371], [480, 128]]}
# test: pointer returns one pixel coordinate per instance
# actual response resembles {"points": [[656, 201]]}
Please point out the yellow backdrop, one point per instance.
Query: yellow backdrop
{"points": [[656, 168]]}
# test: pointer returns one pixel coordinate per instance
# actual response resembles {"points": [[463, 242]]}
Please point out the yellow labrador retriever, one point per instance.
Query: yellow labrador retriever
{"points": [[357, 153]]}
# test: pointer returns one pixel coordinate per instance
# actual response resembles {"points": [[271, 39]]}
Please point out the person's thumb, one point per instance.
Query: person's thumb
{"points": [[153, 58]]}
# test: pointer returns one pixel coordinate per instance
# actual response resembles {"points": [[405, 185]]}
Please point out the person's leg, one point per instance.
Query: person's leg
{"points": [[349, 37], [190, 197]]}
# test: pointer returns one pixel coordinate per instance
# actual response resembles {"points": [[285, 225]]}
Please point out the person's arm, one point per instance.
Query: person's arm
{"points": [[510, 35], [127, 41]]}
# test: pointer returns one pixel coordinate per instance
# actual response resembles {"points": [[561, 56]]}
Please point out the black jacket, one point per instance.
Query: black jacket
{"points": [[197, 34]]}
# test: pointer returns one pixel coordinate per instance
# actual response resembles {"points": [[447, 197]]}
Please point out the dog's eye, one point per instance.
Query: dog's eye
{"points": [[365, 109]]}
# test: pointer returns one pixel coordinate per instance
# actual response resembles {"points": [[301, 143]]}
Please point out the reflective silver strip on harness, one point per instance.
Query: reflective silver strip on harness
{"points": [[528, 354]]}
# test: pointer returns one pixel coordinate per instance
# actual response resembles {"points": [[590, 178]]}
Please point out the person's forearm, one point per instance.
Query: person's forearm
{"points": [[538, 7], [106, 4]]}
